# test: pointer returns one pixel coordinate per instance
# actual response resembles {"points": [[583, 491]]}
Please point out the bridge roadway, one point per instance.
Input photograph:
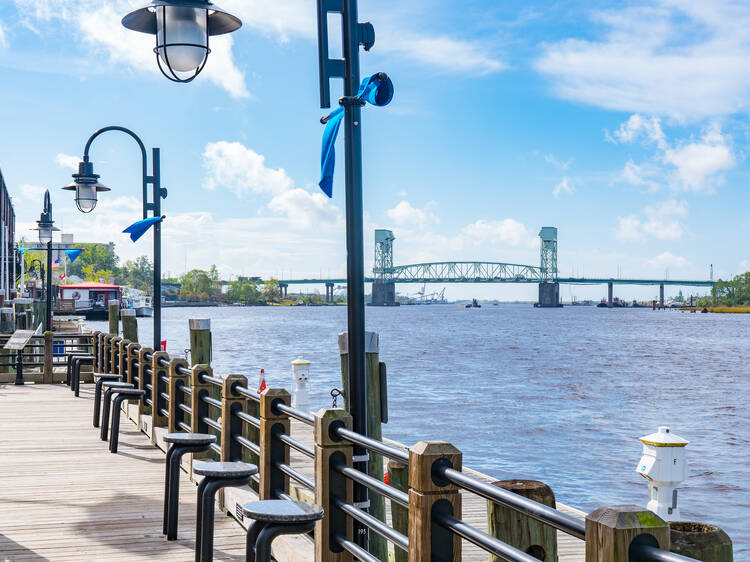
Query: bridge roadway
{"points": [[565, 280], [66, 498]]}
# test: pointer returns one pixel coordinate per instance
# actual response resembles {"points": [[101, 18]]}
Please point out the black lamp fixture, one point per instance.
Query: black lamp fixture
{"points": [[45, 224], [86, 185], [182, 29]]}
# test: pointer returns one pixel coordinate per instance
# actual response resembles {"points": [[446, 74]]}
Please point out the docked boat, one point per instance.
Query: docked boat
{"points": [[91, 299], [135, 299], [474, 304]]}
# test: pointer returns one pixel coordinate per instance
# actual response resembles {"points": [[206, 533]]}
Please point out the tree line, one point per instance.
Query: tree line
{"points": [[100, 263], [733, 292]]}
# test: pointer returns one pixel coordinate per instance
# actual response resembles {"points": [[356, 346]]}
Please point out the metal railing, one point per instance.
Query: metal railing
{"points": [[256, 428]]}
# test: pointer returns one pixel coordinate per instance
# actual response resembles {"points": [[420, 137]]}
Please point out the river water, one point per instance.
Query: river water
{"points": [[558, 395]]}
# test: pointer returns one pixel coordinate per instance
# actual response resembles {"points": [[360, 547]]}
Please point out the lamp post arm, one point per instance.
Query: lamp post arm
{"points": [[144, 158]]}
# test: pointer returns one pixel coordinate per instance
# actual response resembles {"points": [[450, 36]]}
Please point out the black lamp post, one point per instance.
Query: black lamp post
{"points": [[86, 186], [160, 17], [46, 226]]}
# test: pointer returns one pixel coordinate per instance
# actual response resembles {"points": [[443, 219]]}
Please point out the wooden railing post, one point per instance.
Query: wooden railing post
{"points": [[143, 378], [611, 530], [272, 450], [100, 363], [328, 483], [176, 396], [131, 357], [199, 406], [426, 497], [47, 373], [106, 353], [158, 404], [95, 349], [114, 349], [231, 425], [122, 358]]}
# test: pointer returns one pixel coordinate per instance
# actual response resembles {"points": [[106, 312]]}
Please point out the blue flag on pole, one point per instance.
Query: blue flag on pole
{"points": [[22, 251], [73, 254], [138, 229], [376, 90]]}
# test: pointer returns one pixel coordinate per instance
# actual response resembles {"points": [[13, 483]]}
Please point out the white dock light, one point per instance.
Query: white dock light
{"points": [[664, 465], [300, 377]]}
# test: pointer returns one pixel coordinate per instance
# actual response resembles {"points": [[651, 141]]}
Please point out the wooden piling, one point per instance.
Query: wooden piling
{"points": [[398, 477], [47, 375], [611, 530], [129, 325], [330, 483], [519, 530], [425, 495], [200, 341], [378, 545], [701, 541], [272, 450], [114, 316]]}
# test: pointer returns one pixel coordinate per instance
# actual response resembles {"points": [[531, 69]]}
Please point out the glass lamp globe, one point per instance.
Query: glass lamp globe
{"points": [[45, 233], [181, 36], [86, 197]]}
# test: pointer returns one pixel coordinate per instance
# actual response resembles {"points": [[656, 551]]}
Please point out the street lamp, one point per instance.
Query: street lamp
{"points": [[86, 186], [354, 35], [182, 29], [46, 226]]}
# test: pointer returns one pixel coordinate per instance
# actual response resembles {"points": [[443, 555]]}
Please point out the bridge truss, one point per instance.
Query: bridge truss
{"points": [[461, 272]]}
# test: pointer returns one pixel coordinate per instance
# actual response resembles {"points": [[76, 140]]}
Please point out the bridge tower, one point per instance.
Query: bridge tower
{"points": [[383, 288], [549, 288]]}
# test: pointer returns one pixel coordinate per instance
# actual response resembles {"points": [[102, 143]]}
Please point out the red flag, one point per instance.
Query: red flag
{"points": [[262, 381]]}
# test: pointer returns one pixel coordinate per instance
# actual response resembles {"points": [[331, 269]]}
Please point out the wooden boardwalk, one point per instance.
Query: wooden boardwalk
{"points": [[65, 497]]}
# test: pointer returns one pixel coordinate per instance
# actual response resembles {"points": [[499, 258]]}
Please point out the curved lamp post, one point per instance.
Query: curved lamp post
{"points": [[183, 24], [46, 226], [182, 29], [86, 186]]}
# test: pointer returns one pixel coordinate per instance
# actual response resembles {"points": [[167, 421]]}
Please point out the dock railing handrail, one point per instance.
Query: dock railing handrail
{"points": [[254, 427]]}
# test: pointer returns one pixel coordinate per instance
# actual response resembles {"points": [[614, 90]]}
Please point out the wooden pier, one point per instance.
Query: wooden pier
{"points": [[65, 497]]}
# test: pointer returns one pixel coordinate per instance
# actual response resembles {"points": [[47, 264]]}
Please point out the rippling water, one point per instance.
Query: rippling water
{"points": [[559, 395]]}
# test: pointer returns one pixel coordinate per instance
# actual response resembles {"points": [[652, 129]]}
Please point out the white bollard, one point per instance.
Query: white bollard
{"points": [[300, 376], [664, 465]]}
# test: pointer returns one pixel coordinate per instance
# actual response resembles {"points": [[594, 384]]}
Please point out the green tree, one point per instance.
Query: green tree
{"points": [[101, 256], [271, 290], [137, 274], [244, 291], [200, 285]]}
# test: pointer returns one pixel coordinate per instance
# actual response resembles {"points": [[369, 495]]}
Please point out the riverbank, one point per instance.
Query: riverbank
{"points": [[718, 309]]}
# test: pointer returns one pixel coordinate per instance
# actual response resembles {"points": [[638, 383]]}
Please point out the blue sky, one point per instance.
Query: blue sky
{"points": [[623, 125]]}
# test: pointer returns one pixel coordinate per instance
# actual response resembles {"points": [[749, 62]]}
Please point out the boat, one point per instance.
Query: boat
{"points": [[135, 299], [91, 299], [474, 304]]}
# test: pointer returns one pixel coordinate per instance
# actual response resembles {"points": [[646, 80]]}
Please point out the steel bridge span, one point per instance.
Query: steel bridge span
{"points": [[386, 275]]}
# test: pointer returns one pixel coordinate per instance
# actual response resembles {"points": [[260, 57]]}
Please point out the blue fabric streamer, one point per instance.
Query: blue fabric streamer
{"points": [[73, 254], [138, 229], [22, 251], [376, 90]]}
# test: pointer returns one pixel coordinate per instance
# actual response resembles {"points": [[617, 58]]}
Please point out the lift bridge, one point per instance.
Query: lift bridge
{"points": [[385, 275]]}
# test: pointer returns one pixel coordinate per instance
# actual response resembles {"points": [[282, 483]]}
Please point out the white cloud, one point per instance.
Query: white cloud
{"points": [[230, 165], [241, 170], [507, 231], [98, 25], [67, 161], [562, 165], [3, 37], [446, 53], [667, 260], [686, 60], [657, 221], [304, 209], [637, 127], [697, 163], [686, 165], [405, 215], [563, 187], [32, 193]]}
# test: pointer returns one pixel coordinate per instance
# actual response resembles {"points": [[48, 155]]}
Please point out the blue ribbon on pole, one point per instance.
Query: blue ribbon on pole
{"points": [[138, 229], [22, 251], [73, 254], [376, 90]]}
